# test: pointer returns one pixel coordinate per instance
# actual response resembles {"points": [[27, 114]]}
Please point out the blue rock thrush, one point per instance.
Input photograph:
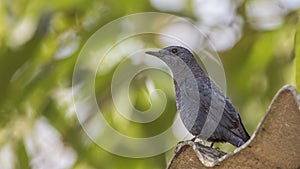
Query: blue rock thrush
{"points": [[203, 108]]}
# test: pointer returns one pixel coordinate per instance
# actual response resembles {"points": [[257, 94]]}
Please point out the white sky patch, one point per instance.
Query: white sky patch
{"points": [[182, 34], [7, 157], [46, 149], [64, 99], [269, 14], [224, 38], [265, 14], [68, 44], [168, 5], [290, 4], [22, 32], [214, 12]]}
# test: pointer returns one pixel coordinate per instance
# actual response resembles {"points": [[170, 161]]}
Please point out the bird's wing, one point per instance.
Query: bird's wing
{"points": [[214, 104], [231, 119]]}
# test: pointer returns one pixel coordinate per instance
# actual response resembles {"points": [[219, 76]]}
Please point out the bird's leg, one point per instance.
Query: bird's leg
{"points": [[212, 144], [193, 139]]}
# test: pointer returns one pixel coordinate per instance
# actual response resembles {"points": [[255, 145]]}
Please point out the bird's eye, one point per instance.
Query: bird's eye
{"points": [[174, 50]]}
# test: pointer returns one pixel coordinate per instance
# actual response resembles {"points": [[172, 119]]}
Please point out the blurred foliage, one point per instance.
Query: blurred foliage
{"points": [[39, 44], [297, 59]]}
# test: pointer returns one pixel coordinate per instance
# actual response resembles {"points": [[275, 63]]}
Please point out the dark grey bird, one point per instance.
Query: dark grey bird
{"points": [[203, 108]]}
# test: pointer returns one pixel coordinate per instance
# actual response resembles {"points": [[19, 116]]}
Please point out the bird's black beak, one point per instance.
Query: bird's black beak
{"points": [[155, 53]]}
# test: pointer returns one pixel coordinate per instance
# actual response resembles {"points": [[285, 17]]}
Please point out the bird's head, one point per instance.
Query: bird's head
{"points": [[180, 60], [173, 53]]}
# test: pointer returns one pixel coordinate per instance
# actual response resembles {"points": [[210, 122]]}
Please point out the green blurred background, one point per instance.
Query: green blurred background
{"points": [[40, 42]]}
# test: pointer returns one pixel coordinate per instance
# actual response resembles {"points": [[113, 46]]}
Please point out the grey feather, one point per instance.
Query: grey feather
{"points": [[200, 102]]}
